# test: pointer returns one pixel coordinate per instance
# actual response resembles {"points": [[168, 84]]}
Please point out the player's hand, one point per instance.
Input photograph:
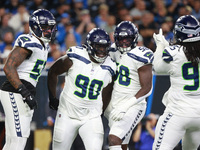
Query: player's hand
{"points": [[160, 39], [28, 97], [117, 114], [31, 101], [53, 103]]}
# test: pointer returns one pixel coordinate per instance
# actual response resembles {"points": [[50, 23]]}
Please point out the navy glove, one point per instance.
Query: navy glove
{"points": [[53, 103], [28, 97]]}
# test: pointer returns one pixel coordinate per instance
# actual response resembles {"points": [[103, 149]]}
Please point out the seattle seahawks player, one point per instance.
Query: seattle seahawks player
{"points": [[89, 75], [181, 118], [133, 85], [23, 69]]}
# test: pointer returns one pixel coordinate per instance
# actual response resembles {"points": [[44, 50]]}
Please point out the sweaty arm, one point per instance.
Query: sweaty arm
{"points": [[145, 77], [62, 65], [15, 58], [106, 94]]}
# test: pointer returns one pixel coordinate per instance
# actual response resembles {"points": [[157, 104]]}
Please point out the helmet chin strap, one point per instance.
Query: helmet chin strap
{"points": [[44, 39], [99, 59], [124, 50]]}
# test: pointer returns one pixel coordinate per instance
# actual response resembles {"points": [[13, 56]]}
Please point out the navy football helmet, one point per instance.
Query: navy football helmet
{"points": [[126, 36], [98, 43], [187, 29], [42, 24]]}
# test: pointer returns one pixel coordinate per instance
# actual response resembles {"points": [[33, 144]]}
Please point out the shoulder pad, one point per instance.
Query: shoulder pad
{"points": [[74, 49], [170, 52], [77, 53], [142, 54], [28, 42], [113, 48], [109, 65]]}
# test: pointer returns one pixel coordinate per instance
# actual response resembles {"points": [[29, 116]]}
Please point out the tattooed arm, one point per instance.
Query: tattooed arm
{"points": [[15, 58]]}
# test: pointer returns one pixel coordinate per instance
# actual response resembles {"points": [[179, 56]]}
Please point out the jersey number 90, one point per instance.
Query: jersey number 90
{"points": [[88, 88]]}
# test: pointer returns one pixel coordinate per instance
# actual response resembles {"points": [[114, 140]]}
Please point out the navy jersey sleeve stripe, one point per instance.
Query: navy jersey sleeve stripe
{"points": [[73, 55], [140, 58], [167, 56], [29, 45], [109, 69]]}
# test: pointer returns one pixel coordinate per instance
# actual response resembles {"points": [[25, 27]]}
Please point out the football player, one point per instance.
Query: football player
{"points": [[181, 118], [89, 75], [133, 84], [23, 69]]}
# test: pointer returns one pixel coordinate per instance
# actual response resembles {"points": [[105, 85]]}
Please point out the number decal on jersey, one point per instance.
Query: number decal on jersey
{"points": [[79, 47], [174, 47], [37, 69], [83, 82], [189, 72], [143, 48], [124, 76], [25, 39]]}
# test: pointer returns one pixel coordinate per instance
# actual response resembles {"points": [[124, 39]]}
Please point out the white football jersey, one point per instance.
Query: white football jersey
{"points": [[31, 68], [127, 83], [183, 96], [85, 80]]}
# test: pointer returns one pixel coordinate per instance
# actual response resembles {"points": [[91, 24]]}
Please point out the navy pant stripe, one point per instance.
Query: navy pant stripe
{"points": [[162, 130], [133, 125], [16, 115]]}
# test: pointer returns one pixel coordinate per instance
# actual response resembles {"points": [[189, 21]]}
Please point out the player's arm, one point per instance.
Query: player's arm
{"points": [[15, 58], [106, 94], [145, 78], [61, 66]]}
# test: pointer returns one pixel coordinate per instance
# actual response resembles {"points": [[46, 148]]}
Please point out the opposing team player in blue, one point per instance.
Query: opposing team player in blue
{"points": [[89, 73], [23, 69], [181, 118], [134, 83]]}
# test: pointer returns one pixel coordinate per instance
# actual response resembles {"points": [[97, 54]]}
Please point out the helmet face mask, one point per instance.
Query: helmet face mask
{"points": [[42, 24], [98, 43], [186, 29], [124, 43], [126, 36]]}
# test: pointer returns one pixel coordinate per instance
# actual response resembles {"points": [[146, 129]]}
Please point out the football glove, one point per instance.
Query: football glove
{"points": [[160, 39], [53, 103], [28, 97], [118, 113]]}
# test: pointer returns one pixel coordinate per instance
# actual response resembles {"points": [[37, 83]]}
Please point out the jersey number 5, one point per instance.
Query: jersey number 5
{"points": [[37, 69]]}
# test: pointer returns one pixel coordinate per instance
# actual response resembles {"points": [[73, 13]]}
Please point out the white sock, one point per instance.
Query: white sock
{"points": [[116, 147]]}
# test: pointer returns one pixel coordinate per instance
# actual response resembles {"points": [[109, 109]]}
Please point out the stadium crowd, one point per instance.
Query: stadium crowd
{"points": [[75, 18]]}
